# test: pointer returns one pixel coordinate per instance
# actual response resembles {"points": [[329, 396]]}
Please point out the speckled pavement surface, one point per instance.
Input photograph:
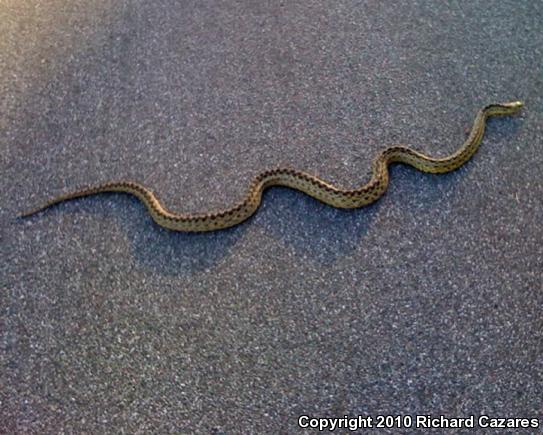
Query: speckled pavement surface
{"points": [[428, 302]]}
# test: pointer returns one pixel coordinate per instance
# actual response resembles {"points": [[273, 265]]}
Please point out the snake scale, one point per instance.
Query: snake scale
{"points": [[307, 183]]}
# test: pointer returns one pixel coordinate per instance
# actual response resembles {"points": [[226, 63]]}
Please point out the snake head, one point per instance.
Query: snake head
{"points": [[504, 109], [516, 105], [511, 107]]}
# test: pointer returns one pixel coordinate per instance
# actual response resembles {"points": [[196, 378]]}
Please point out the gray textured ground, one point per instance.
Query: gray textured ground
{"points": [[428, 302]]}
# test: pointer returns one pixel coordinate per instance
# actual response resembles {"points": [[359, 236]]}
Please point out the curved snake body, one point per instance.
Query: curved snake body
{"points": [[307, 183]]}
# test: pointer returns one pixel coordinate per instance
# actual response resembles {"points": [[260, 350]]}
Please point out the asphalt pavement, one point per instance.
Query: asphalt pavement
{"points": [[426, 303]]}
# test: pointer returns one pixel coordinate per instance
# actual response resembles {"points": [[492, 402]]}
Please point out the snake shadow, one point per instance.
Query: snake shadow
{"points": [[165, 252], [313, 229], [175, 253]]}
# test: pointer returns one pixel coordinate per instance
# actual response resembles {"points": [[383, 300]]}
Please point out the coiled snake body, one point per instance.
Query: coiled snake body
{"points": [[307, 183]]}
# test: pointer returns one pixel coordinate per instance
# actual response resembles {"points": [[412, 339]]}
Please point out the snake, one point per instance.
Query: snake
{"points": [[309, 184]]}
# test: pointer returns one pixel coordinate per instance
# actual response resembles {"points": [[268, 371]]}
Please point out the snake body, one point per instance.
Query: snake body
{"points": [[307, 183]]}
